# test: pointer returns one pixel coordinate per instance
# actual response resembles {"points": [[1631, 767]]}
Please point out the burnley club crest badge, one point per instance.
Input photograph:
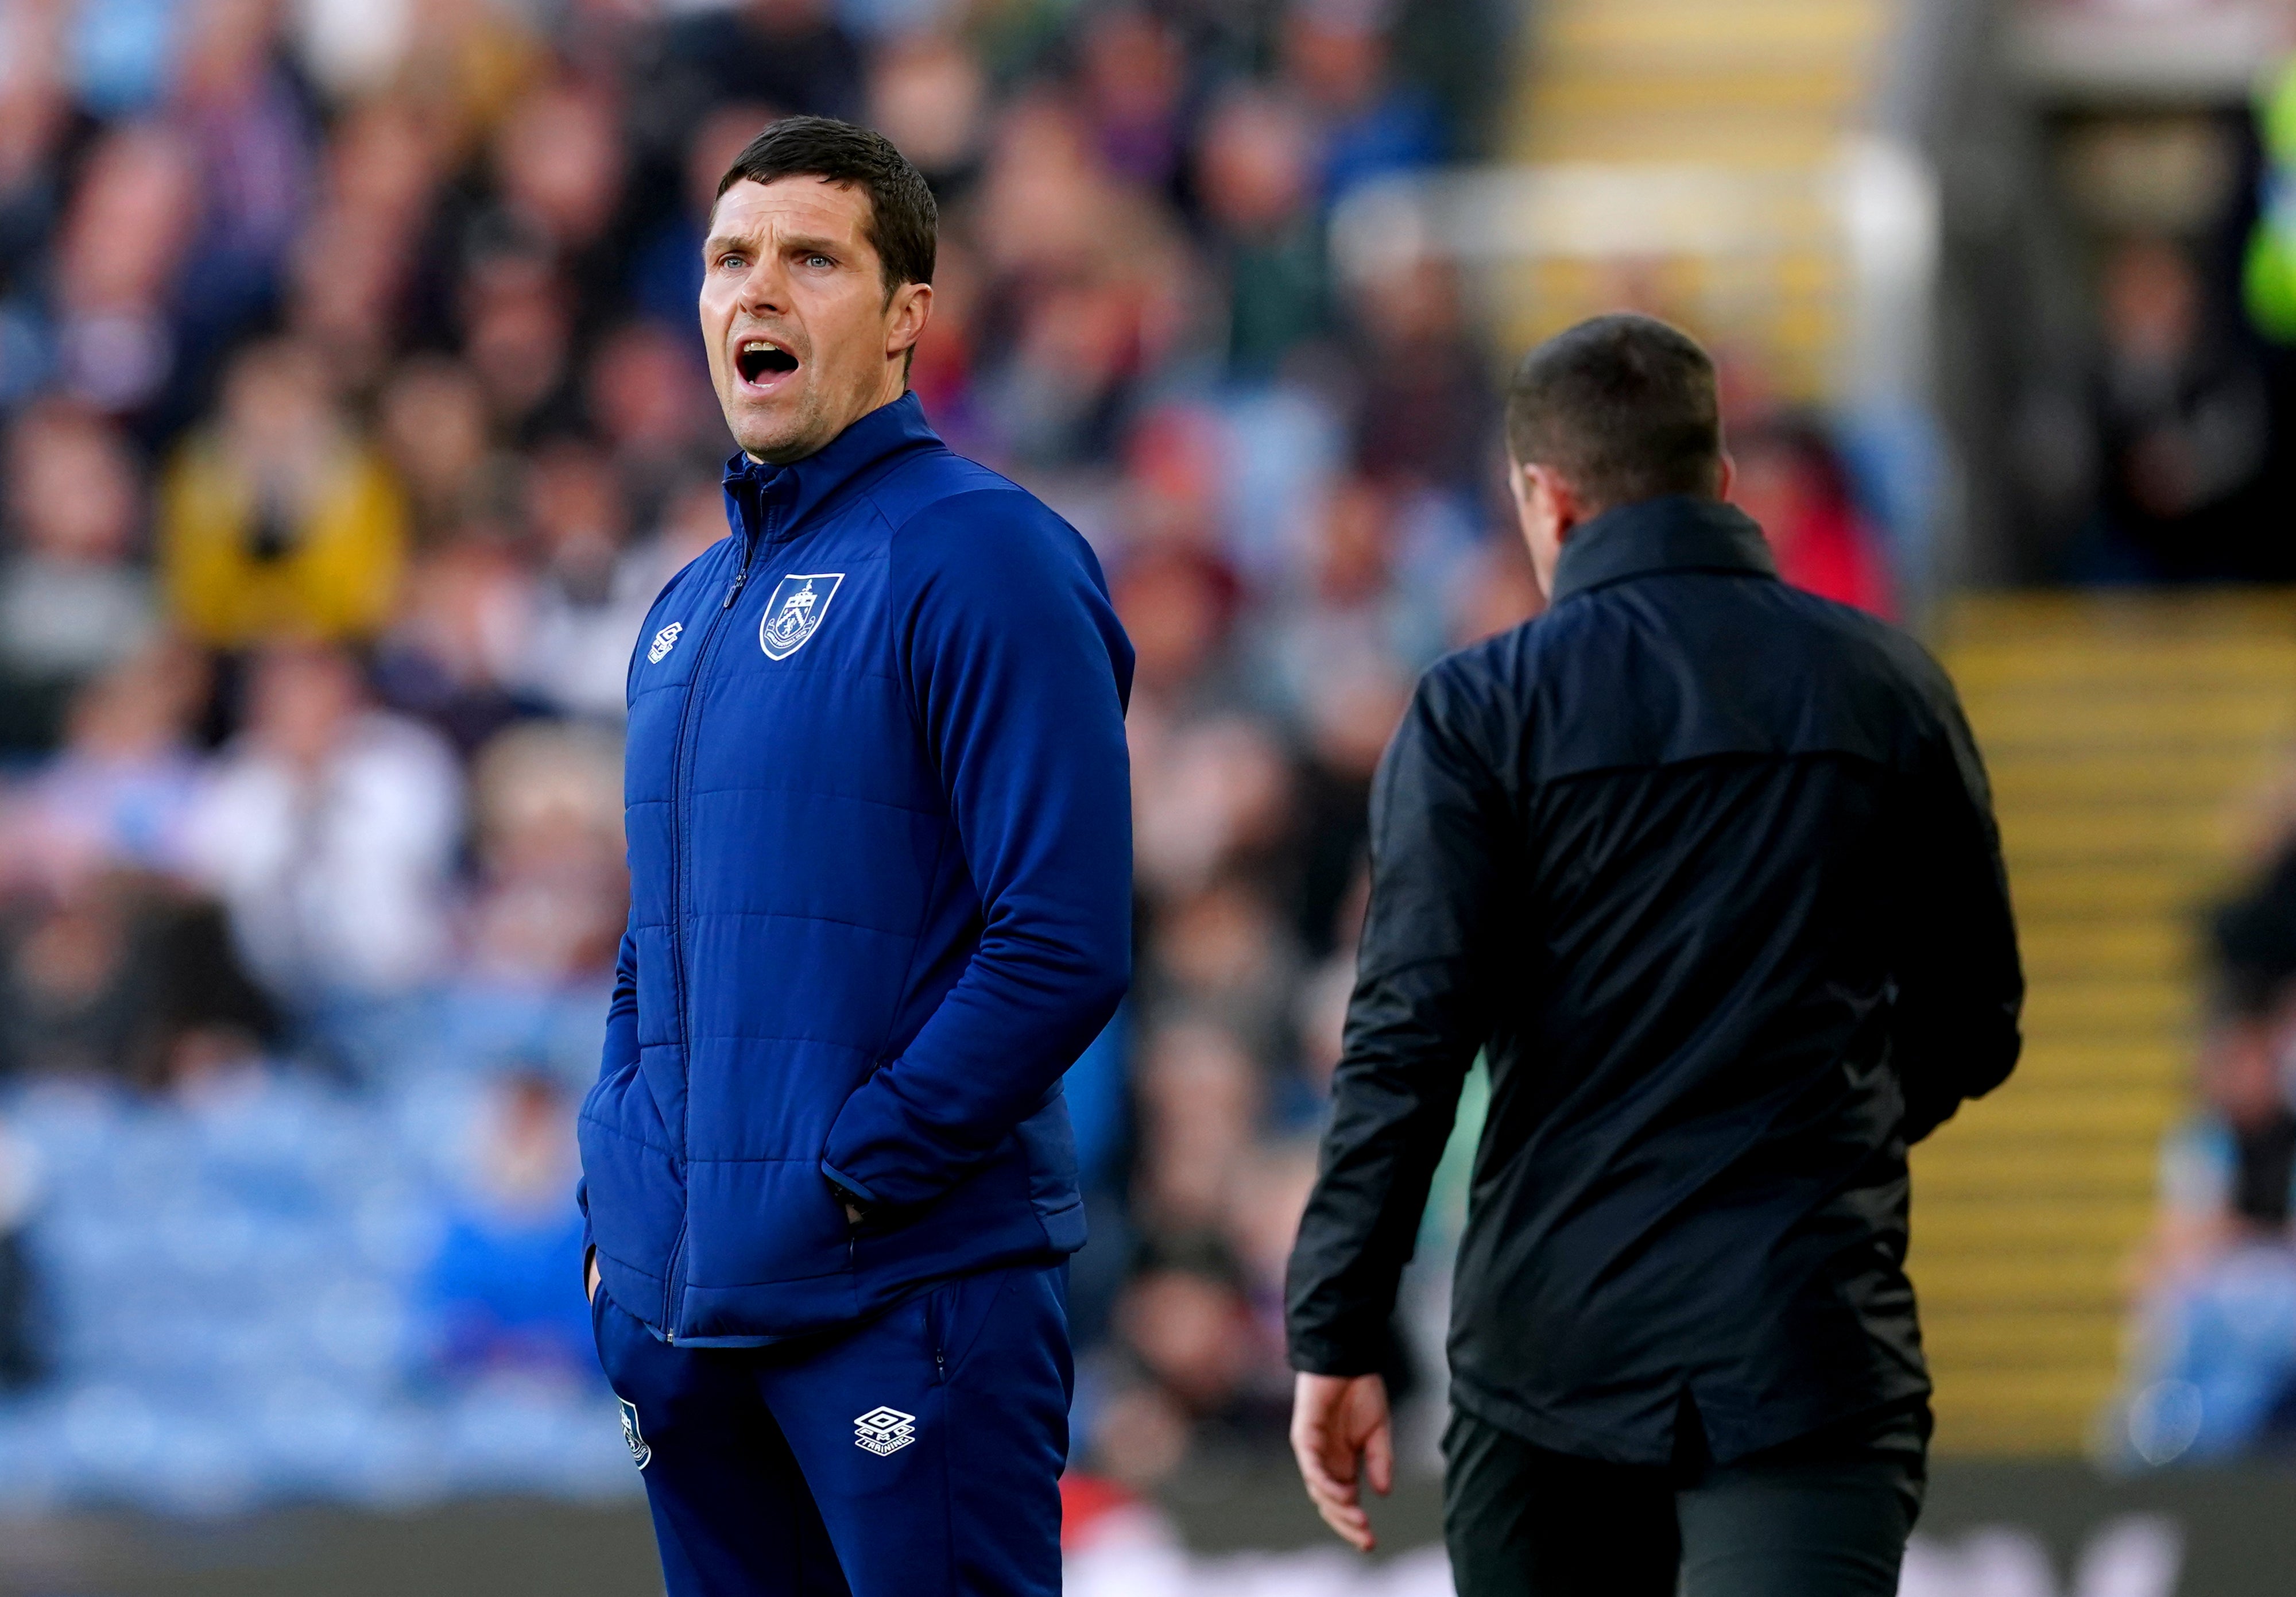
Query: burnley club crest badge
{"points": [[794, 614]]}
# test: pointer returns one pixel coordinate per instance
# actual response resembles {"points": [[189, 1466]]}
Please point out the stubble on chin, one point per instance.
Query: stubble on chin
{"points": [[784, 436]]}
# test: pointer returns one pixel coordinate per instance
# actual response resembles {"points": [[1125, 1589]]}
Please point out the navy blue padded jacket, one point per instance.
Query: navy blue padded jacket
{"points": [[879, 814]]}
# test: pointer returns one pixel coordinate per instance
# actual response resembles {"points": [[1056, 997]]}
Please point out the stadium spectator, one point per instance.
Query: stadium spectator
{"points": [[34, 121], [278, 521], [330, 828], [1255, 170], [1424, 406], [558, 170], [929, 94], [460, 69], [1350, 716], [1187, 1328], [72, 600], [2213, 1373], [1793, 482], [2184, 419], [553, 888], [1133, 82], [434, 433], [518, 325], [2228, 1171], [69, 1010], [2215, 1370], [20, 1365], [251, 137], [120, 791], [793, 54], [114, 279], [582, 618], [647, 395], [1211, 793], [1336, 52], [504, 1289], [110, 978], [1088, 286], [455, 654], [355, 267], [1266, 1197], [1200, 1095], [1354, 616]]}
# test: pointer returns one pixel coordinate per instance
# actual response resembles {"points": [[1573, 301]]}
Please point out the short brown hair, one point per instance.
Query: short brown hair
{"points": [[1624, 407], [904, 225]]}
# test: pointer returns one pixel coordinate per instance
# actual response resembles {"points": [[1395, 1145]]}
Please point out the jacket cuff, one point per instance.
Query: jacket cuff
{"points": [[874, 1131], [837, 1178], [1316, 1355], [589, 1239]]}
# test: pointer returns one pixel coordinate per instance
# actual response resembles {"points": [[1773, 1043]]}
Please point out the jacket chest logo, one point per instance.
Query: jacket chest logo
{"points": [[664, 641], [793, 614]]}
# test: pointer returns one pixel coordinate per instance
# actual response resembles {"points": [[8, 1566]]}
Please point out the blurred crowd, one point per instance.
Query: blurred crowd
{"points": [[2170, 463], [353, 416], [2153, 443]]}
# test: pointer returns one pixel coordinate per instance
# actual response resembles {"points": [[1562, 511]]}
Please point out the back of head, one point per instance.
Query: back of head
{"points": [[1623, 407]]}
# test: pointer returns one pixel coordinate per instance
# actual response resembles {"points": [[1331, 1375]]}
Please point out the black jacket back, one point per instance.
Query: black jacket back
{"points": [[1707, 868]]}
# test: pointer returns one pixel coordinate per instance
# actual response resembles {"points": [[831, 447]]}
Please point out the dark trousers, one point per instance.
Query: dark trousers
{"points": [[1827, 1517], [918, 1455]]}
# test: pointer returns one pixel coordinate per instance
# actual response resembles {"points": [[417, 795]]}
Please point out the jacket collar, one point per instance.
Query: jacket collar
{"points": [[1680, 532], [801, 487]]}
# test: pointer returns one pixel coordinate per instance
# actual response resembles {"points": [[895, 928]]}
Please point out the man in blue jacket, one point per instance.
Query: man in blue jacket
{"points": [[879, 819]]}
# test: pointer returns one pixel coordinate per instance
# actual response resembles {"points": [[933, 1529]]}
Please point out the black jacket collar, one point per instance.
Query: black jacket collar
{"points": [[1680, 532], [800, 486]]}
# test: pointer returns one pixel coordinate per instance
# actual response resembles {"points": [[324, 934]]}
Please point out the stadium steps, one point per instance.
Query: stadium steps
{"points": [[1655, 79], [1762, 92], [2121, 732]]}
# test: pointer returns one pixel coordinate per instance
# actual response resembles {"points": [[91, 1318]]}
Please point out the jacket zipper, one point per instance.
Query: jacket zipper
{"points": [[686, 720], [936, 1334]]}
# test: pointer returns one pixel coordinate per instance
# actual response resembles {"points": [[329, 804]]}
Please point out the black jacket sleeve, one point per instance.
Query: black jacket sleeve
{"points": [[1959, 984], [1418, 1013]]}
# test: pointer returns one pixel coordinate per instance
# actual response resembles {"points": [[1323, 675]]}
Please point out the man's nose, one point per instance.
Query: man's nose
{"points": [[764, 286]]}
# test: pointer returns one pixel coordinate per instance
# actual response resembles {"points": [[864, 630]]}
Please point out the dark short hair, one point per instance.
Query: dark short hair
{"points": [[1624, 407], [904, 225]]}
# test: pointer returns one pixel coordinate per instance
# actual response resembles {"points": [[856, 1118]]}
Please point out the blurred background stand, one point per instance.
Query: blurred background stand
{"points": [[353, 416]]}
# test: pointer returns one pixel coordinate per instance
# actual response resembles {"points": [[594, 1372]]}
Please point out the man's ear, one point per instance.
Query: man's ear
{"points": [[1726, 478], [905, 318], [1569, 509]]}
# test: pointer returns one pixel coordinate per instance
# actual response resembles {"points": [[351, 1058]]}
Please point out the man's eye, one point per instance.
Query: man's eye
{"points": [[819, 260], [735, 262]]}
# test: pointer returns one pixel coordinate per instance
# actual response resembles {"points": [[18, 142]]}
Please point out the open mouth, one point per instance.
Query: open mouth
{"points": [[760, 361]]}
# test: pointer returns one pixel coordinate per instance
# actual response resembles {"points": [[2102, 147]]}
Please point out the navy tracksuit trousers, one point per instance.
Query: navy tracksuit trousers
{"points": [[918, 1454]]}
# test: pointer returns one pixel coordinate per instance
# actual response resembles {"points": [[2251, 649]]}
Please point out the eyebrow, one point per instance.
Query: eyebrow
{"points": [[802, 245], [809, 246]]}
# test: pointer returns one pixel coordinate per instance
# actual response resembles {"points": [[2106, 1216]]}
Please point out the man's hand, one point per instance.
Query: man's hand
{"points": [[1336, 1421], [590, 1290], [855, 1211]]}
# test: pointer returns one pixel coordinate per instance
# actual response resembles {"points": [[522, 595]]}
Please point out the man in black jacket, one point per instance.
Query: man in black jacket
{"points": [[1706, 867]]}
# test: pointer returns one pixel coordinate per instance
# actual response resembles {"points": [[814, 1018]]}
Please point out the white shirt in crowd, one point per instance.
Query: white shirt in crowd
{"points": [[337, 878]]}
